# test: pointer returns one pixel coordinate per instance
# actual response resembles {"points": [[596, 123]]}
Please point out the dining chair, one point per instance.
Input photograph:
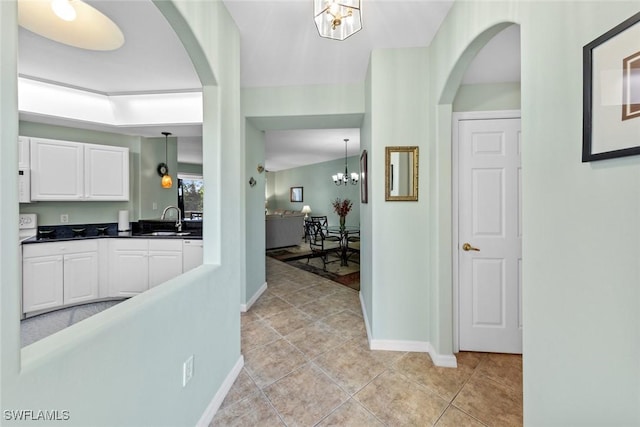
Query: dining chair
{"points": [[321, 245]]}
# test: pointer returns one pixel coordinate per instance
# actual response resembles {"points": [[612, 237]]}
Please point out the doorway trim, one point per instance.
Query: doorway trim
{"points": [[455, 124]]}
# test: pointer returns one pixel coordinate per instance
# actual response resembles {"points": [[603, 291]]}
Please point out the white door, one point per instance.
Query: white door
{"points": [[489, 235]]}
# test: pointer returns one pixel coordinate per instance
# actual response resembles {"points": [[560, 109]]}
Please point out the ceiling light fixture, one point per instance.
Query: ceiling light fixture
{"points": [[71, 22], [343, 178], [337, 19], [64, 10], [163, 169]]}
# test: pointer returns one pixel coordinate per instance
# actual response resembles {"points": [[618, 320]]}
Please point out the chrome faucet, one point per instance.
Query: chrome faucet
{"points": [[179, 221]]}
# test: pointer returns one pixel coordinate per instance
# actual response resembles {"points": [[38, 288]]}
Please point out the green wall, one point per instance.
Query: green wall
{"points": [[400, 231], [319, 191], [255, 238], [488, 97], [581, 300], [190, 168], [123, 366]]}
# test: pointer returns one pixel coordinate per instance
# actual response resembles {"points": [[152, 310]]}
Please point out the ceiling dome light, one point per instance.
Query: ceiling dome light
{"points": [[91, 29], [64, 10]]}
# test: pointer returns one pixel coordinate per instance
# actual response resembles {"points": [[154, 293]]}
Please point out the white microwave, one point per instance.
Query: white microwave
{"points": [[24, 185]]}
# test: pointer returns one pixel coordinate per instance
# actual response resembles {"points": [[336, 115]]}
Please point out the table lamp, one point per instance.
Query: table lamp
{"points": [[306, 210]]}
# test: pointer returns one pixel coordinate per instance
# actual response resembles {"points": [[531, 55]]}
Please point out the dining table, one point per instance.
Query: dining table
{"points": [[343, 233]]}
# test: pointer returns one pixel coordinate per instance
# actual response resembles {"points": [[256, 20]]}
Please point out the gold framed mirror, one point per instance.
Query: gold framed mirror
{"points": [[401, 173]]}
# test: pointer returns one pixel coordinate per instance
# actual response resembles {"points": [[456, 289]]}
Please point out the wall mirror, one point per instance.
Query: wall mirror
{"points": [[401, 173]]}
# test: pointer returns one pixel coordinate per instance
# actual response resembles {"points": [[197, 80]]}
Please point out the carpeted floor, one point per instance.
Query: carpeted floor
{"points": [[35, 328], [297, 256]]}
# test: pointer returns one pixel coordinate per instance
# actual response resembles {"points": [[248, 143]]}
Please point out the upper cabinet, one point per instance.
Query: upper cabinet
{"points": [[63, 170], [106, 172], [23, 153]]}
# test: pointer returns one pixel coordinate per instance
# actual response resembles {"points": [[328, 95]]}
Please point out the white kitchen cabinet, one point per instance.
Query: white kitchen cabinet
{"points": [[128, 267], [59, 273], [56, 170], [64, 170], [165, 260], [42, 283], [136, 265], [106, 172], [80, 277], [24, 158], [191, 254]]}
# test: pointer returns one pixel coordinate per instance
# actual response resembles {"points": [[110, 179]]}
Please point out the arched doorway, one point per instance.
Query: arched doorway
{"points": [[478, 90]]}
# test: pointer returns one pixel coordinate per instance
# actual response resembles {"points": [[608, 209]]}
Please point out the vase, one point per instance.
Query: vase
{"points": [[342, 219]]}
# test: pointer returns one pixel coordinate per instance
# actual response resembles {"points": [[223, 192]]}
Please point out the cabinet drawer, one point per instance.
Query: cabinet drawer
{"points": [[165, 245], [129, 244], [59, 248]]}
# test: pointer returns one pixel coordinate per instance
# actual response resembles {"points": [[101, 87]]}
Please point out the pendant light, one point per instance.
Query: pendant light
{"points": [[163, 169], [344, 178]]}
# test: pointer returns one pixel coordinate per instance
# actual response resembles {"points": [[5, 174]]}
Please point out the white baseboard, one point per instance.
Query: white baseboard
{"points": [[443, 360], [215, 403], [245, 307]]}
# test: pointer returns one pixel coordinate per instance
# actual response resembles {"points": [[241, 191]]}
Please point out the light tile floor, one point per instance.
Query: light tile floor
{"points": [[307, 363]]}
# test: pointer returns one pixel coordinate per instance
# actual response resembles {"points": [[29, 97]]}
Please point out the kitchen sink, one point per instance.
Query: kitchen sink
{"points": [[168, 233]]}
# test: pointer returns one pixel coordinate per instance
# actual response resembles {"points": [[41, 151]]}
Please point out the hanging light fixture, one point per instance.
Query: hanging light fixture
{"points": [[343, 178], [337, 19], [163, 169]]}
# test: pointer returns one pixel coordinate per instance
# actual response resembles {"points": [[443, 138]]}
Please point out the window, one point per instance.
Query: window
{"points": [[190, 196]]}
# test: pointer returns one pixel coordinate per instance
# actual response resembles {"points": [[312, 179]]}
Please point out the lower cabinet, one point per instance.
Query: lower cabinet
{"points": [[165, 260], [128, 267], [191, 254], [58, 273], [135, 265]]}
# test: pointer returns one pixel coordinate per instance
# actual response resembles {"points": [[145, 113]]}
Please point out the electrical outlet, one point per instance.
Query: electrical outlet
{"points": [[155, 206], [187, 371], [64, 218]]}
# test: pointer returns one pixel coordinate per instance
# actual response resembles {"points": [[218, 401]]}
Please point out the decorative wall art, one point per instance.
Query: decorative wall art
{"points": [[611, 93], [295, 194], [364, 192]]}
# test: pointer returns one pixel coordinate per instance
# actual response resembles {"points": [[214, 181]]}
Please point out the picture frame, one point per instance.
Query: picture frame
{"points": [[611, 93], [295, 194], [364, 189]]}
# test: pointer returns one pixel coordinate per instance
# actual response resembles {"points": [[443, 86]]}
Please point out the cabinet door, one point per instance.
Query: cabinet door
{"points": [[191, 254], [56, 170], [164, 265], [24, 157], [80, 277], [42, 283], [106, 172], [128, 267]]}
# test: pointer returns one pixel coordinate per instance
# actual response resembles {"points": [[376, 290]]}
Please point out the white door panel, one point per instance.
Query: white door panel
{"points": [[489, 206]]}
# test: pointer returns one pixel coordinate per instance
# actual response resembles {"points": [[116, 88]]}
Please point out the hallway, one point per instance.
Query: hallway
{"points": [[307, 363]]}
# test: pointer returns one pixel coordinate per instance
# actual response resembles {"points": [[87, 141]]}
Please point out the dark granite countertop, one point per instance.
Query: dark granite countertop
{"points": [[143, 229]]}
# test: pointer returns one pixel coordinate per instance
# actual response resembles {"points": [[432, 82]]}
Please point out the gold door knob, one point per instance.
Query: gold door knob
{"points": [[468, 247]]}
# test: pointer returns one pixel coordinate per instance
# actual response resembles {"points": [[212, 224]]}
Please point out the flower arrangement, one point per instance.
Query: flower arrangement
{"points": [[342, 207]]}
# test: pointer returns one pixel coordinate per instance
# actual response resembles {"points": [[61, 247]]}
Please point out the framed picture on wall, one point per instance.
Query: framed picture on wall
{"points": [[295, 194], [363, 177], [611, 93]]}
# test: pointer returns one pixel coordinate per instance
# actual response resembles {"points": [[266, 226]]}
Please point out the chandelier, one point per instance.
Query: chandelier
{"points": [[343, 178], [337, 19]]}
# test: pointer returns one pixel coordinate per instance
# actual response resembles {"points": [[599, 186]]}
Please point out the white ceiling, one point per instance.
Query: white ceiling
{"points": [[280, 47]]}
